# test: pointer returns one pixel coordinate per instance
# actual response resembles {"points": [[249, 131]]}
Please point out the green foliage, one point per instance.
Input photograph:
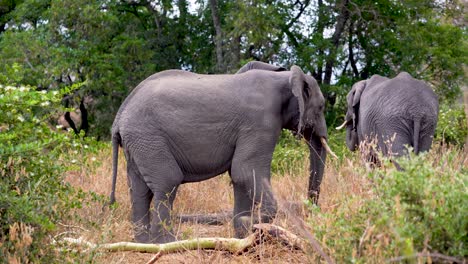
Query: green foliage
{"points": [[113, 45], [404, 212], [289, 155], [34, 158], [336, 141], [452, 125]]}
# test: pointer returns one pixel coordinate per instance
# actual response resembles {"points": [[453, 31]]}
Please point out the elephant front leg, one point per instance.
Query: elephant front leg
{"points": [[250, 173], [248, 198]]}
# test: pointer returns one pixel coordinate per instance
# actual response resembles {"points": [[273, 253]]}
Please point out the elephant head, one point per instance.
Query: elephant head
{"points": [[311, 124], [352, 115], [307, 103]]}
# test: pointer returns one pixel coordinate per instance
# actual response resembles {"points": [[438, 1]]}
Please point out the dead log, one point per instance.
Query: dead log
{"points": [[263, 233], [287, 208]]}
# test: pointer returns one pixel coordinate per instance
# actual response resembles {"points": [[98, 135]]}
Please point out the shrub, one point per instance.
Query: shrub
{"points": [[452, 126], [290, 152], [33, 194], [420, 209], [289, 155]]}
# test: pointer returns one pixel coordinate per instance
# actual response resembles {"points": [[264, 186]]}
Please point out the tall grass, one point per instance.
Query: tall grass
{"points": [[363, 215]]}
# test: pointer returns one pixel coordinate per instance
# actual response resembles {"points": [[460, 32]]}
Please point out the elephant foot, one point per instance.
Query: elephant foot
{"points": [[314, 196], [163, 239], [243, 226], [142, 234]]}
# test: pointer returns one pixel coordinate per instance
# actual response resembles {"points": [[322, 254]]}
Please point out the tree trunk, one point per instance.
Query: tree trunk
{"points": [[84, 117], [218, 38], [317, 74], [352, 61], [236, 54], [339, 29]]}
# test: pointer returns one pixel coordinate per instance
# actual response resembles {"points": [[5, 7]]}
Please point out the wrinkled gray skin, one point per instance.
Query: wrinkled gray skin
{"points": [[178, 127], [402, 107]]}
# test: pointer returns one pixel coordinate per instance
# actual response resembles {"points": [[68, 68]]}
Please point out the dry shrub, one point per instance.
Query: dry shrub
{"points": [[21, 238]]}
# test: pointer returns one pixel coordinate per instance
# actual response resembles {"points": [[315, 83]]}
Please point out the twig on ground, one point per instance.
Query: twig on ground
{"points": [[155, 258]]}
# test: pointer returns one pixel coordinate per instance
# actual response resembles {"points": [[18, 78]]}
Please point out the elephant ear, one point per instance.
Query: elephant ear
{"points": [[353, 100], [258, 65], [300, 90], [358, 88]]}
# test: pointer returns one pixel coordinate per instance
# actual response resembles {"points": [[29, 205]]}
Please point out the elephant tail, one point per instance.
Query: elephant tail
{"points": [[116, 142], [416, 131]]}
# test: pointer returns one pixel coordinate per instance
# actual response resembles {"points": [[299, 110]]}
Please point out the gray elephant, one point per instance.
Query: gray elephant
{"points": [[178, 127], [397, 112]]}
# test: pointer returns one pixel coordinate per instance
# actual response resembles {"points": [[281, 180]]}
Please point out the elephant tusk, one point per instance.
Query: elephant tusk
{"points": [[342, 126], [327, 148]]}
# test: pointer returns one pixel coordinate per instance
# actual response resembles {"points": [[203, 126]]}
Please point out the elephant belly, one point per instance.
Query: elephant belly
{"points": [[199, 164]]}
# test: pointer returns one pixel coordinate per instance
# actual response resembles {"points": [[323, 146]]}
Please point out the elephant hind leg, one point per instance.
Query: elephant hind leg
{"points": [[161, 227], [140, 195], [162, 175]]}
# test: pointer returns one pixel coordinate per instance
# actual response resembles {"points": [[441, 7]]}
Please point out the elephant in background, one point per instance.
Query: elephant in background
{"points": [[178, 127], [257, 65], [396, 112], [77, 120]]}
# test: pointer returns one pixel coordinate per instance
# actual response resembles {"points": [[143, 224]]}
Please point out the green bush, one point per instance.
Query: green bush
{"points": [[289, 155], [33, 160], [290, 152], [420, 209], [452, 126]]}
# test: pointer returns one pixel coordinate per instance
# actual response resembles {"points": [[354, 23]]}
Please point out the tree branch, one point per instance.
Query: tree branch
{"points": [[339, 28], [302, 8], [351, 52], [428, 255], [219, 35]]}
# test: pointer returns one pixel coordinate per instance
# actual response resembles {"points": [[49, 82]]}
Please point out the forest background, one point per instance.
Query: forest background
{"points": [[86, 56]]}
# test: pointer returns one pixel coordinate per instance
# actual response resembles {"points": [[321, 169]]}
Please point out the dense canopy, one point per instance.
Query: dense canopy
{"points": [[111, 45]]}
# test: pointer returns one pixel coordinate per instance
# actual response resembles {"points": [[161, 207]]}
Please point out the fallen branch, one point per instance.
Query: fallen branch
{"points": [[438, 256], [233, 245], [262, 233], [226, 216]]}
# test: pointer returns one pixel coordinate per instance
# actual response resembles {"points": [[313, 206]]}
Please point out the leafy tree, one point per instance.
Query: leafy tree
{"points": [[113, 45], [33, 158]]}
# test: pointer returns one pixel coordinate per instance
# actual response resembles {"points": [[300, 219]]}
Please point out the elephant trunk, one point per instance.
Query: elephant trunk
{"points": [[351, 137], [317, 160]]}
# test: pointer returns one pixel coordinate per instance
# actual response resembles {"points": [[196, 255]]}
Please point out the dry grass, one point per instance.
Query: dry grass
{"points": [[341, 180], [212, 196]]}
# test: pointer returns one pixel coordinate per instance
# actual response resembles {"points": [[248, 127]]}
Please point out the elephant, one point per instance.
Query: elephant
{"points": [[179, 127], [397, 112], [78, 119], [75, 120]]}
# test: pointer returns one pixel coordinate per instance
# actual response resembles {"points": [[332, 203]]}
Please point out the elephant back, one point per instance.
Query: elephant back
{"points": [[402, 96]]}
